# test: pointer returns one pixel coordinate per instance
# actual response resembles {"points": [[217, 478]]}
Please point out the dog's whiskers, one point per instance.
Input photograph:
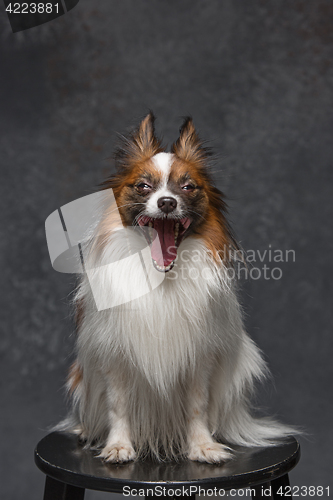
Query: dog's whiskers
{"points": [[196, 213]]}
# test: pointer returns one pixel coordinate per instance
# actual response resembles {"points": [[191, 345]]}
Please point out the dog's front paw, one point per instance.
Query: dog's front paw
{"points": [[211, 453], [117, 453]]}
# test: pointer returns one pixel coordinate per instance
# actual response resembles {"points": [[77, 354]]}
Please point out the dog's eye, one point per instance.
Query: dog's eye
{"points": [[143, 187], [188, 187]]}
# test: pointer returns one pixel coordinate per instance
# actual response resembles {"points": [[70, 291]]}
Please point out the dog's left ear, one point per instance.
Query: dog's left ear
{"points": [[188, 146]]}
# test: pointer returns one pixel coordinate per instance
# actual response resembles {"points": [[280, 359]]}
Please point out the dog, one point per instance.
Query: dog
{"points": [[170, 372]]}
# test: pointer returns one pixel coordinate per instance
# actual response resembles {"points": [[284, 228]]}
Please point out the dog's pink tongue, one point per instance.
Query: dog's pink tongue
{"points": [[166, 233]]}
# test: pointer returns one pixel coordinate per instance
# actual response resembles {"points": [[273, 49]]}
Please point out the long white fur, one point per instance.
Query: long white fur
{"points": [[172, 370]]}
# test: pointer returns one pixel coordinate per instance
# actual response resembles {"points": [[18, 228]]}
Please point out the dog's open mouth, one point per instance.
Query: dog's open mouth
{"points": [[170, 233]]}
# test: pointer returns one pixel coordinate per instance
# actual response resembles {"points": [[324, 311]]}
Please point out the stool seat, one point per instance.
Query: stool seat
{"points": [[71, 468]]}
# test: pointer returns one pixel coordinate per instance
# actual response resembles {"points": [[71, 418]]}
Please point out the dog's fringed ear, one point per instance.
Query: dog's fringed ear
{"points": [[145, 137], [188, 146], [140, 145]]}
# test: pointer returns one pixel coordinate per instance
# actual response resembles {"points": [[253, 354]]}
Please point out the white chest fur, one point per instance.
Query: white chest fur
{"points": [[166, 329]]}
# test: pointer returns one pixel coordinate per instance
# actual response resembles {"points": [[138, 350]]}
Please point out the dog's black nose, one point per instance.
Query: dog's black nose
{"points": [[167, 204]]}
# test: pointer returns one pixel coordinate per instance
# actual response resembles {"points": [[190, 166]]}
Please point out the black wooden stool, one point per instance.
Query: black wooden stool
{"points": [[70, 470]]}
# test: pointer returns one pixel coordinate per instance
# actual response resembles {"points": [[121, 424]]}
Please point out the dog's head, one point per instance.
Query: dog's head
{"points": [[169, 192]]}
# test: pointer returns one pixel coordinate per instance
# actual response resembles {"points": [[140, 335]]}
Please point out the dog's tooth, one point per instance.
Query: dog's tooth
{"points": [[150, 224], [162, 268]]}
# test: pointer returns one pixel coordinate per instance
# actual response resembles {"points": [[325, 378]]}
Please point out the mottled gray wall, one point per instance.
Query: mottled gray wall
{"points": [[257, 78]]}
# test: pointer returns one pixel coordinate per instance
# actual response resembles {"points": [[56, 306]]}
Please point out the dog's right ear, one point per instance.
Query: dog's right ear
{"points": [[141, 145], [189, 146]]}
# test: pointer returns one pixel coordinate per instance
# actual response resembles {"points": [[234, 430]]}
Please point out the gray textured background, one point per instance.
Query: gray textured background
{"points": [[257, 78]]}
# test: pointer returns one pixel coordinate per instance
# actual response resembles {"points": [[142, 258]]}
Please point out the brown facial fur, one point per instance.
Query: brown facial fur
{"points": [[132, 161], [214, 228]]}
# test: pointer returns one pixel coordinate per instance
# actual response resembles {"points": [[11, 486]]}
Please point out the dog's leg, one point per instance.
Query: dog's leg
{"points": [[202, 446], [118, 447]]}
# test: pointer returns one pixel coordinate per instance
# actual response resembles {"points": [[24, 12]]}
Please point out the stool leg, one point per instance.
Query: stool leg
{"points": [[260, 490], [283, 483], [56, 490]]}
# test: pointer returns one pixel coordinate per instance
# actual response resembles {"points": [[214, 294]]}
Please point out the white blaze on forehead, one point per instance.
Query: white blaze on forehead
{"points": [[163, 162]]}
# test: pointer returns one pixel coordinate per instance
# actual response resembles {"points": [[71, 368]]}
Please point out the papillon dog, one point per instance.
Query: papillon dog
{"points": [[166, 371]]}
